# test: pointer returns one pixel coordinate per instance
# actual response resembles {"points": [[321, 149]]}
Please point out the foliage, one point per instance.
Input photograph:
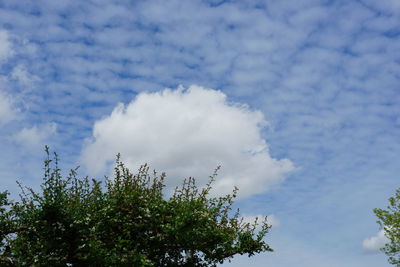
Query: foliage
{"points": [[389, 220], [125, 221]]}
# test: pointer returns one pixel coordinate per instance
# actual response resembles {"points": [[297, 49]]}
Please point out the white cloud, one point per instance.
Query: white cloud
{"points": [[373, 244], [7, 113], [5, 46], [188, 133], [36, 136], [20, 74]]}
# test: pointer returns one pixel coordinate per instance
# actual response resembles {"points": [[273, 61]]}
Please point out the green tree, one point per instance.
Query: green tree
{"points": [[124, 221], [389, 220]]}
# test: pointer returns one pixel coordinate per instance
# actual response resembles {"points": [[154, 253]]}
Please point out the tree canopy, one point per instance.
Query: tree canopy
{"points": [[389, 220], [124, 221]]}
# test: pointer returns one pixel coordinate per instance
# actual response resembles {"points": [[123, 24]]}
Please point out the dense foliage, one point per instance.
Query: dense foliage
{"points": [[124, 221], [389, 220]]}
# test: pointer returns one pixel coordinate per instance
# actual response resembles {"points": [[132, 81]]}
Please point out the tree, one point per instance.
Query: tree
{"points": [[389, 221], [125, 221]]}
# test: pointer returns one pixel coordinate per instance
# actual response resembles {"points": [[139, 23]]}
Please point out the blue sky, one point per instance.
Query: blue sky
{"points": [[298, 100]]}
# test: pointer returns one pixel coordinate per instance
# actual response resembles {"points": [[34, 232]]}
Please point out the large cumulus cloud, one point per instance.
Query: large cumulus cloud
{"points": [[188, 133]]}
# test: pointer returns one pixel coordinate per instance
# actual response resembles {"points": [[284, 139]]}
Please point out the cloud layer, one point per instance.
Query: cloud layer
{"points": [[35, 137], [324, 73], [5, 46], [7, 113], [188, 133]]}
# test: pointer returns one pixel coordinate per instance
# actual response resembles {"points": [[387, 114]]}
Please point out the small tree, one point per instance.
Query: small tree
{"points": [[389, 220], [125, 222]]}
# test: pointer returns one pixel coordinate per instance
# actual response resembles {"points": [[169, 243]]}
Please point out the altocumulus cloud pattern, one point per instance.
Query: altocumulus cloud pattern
{"points": [[320, 79]]}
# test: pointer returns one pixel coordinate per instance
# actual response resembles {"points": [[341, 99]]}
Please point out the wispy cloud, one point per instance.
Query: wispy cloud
{"points": [[21, 75], [5, 46], [7, 112], [36, 137]]}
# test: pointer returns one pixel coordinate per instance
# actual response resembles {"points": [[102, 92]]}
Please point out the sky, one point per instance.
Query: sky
{"points": [[297, 101]]}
